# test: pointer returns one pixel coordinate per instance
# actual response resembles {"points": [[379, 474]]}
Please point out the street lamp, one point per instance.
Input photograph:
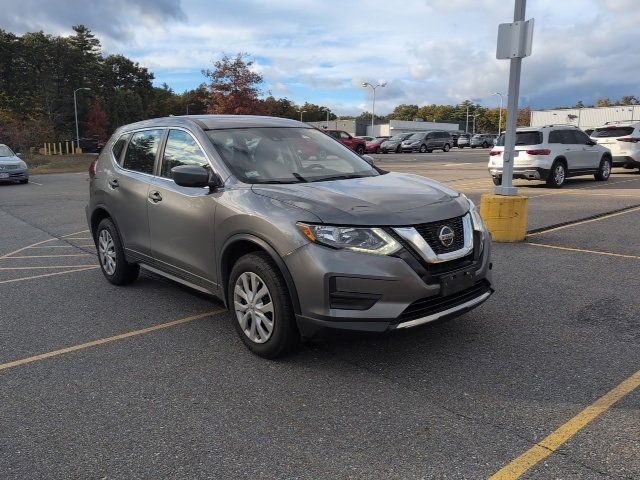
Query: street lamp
{"points": [[75, 110], [500, 114], [383, 84], [301, 112]]}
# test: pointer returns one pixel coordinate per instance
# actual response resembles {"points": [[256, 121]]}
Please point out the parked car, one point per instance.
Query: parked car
{"points": [[373, 146], [463, 140], [366, 138], [291, 246], [394, 144], [483, 140], [12, 167], [428, 142], [552, 153], [623, 139], [356, 144]]}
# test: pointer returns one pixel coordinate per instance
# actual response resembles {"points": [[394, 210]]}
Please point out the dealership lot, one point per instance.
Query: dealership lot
{"points": [[179, 396]]}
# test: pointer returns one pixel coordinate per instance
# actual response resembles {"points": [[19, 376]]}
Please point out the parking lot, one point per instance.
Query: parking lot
{"points": [[151, 380]]}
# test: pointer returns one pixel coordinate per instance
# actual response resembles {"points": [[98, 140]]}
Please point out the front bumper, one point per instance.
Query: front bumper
{"points": [[625, 161], [14, 175], [345, 290], [527, 173]]}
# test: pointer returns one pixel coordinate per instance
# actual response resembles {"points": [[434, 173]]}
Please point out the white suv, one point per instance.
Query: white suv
{"points": [[552, 153], [623, 139]]}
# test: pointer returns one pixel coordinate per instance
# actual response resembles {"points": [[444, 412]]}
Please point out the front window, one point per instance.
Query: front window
{"points": [[287, 155], [415, 137], [5, 151], [523, 138]]}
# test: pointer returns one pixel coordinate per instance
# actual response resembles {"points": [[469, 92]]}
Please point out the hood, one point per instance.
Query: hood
{"points": [[10, 160], [390, 199]]}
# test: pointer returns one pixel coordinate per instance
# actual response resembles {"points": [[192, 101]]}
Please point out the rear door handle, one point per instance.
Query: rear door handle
{"points": [[155, 196], [113, 183]]}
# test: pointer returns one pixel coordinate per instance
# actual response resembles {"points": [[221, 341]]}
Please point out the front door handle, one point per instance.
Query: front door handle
{"points": [[113, 183], [155, 196]]}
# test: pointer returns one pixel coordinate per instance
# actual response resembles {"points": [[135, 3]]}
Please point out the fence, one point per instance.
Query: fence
{"points": [[66, 147]]}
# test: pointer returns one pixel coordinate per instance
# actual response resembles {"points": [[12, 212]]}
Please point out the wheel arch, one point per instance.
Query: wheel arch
{"points": [[241, 244]]}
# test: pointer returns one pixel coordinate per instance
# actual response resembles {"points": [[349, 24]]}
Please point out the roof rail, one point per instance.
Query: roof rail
{"points": [[561, 125], [615, 122]]}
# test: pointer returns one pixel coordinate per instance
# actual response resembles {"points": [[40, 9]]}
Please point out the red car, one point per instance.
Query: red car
{"points": [[373, 146], [354, 143]]}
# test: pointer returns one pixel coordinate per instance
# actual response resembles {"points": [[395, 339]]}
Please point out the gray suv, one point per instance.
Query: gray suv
{"points": [[293, 231], [428, 142]]}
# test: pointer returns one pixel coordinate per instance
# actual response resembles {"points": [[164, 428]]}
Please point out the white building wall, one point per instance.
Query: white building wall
{"points": [[402, 126], [585, 117]]}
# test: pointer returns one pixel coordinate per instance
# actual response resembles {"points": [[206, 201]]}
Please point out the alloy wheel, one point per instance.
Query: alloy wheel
{"points": [[253, 307], [107, 252], [559, 174]]}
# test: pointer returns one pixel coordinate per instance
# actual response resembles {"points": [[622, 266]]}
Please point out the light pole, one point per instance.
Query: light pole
{"points": [[466, 125], [474, 122], [500, 113], [75, 111], [301, 112], [373, 108]]}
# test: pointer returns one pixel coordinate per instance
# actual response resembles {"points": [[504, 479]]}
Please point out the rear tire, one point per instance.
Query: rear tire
{"points": [[497, 181], [378, 151], [473, 146], [423, 148], [266, 324], [360, 150], [604, 171], [398, 149], [113, 263], [557, 175], [485, 145], [446, 147]]}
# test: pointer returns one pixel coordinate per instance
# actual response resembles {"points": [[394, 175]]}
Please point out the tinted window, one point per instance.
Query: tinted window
{"points": [[181, 149], [141, 152], [581, 137], [344, 135], [562, 136], [612, 132], [119, 146], [524, 138]]}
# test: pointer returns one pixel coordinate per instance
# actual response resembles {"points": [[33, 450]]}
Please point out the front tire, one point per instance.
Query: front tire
{"points": [[423, 148], [557, 175], [360, 150], [25, 181], [446, 147], [259, 301], [485, 145], [497, 181], [604, 171], [113, 263]]}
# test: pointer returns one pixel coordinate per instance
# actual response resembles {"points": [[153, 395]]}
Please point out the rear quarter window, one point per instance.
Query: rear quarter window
{"points": [[118, 147], [606, 132], [523, 138]]}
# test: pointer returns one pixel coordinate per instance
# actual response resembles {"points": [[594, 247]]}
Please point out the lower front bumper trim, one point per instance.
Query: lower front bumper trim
{"points": [[436, 316]]}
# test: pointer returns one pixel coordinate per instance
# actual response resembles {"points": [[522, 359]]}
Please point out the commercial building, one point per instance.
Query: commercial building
{"points": [[360, 127], [585, 118]]}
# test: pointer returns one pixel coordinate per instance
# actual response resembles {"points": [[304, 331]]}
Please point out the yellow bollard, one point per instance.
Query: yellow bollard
{"points": [[505, 216]]}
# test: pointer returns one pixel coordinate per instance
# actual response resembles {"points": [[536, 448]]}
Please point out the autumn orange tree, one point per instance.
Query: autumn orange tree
{"points": [[233, 86]]}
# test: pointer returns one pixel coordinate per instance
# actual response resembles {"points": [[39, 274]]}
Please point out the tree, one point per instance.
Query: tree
{"points": [[233, 86], [603, 102], [315, 113], [404, 112], [97, 123], [281, 107], [367, 116]]}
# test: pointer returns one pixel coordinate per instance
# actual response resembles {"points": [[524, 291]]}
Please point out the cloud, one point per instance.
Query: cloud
{"points": [[436, 51]]}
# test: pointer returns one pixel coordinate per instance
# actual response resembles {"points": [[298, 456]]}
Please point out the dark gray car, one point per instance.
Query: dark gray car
{"points": [[428, 142], [293, 231]]}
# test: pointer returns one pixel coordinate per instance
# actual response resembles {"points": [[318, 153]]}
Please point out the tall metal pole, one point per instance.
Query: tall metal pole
{"points": [[499, 113], [507, 187], [373, 111], [466, 126], [75, 111], [327, 118]]}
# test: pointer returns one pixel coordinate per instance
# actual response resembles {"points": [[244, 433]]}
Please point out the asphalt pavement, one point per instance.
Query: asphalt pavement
{"points": [[151, 381]]}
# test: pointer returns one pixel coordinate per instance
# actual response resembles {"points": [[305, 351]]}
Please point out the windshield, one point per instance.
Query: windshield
{"points": [[523, 138], [397, 138], [416, 136], [287, 155], [5, 151]]}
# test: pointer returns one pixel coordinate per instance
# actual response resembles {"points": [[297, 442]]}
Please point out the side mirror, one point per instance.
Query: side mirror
{"points": [[591, 143], [19, 155], [195, 176]]}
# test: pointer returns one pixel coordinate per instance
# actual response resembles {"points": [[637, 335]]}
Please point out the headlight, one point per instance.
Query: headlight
{"points": [[22, 164], [476, 218], [367, 240]]}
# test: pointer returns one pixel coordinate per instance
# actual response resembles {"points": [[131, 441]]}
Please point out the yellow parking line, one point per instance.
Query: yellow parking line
{"points": [[582, 250], [603, 217], [49, 274], [50, 266], [102, 341], [52, 256], [28, 246], [566, 431]]}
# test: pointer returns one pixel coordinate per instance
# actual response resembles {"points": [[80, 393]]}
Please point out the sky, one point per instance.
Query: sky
{"points": [[321, 51]]}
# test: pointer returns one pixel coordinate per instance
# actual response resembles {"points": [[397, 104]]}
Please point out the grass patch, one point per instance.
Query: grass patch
{"points": [[59, 163]]}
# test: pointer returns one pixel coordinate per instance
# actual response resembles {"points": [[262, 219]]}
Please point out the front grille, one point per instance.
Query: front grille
{"points": [[9, 167], [431, 231], [431, 305]]}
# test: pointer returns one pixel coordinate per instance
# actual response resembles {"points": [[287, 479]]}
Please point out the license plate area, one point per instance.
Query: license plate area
{"points": [[4, 175], [456, 282]]}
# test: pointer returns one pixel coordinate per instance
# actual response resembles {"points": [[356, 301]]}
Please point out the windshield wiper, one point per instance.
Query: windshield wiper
{"points": [[339, 177], [299, 177]]}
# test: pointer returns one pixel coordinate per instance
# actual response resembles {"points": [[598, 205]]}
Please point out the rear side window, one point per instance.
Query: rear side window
{"points": [[141, 153], [562, 136], [118, 147], [612, 132], [181, 149], [524, 138]]}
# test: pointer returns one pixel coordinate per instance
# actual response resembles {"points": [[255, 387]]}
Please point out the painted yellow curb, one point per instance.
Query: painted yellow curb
{"points": [[505, 216]]}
